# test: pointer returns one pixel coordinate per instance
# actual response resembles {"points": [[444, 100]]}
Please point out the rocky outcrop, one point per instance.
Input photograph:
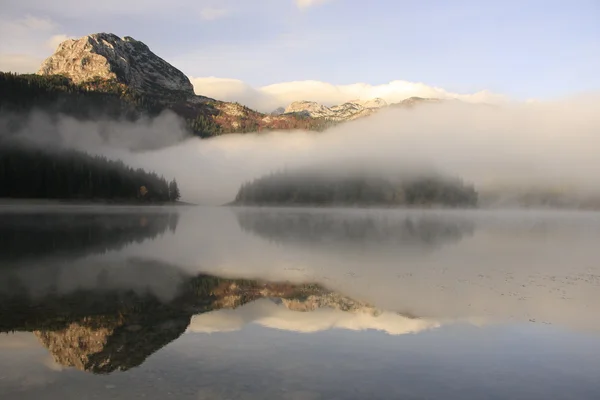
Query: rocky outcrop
{"points": [[371, 103], [125, 60], [103, 344], [309, 108], [344, 112]]}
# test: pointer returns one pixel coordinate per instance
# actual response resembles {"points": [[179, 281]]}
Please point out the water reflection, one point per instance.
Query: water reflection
{"points": [[334, 227], [538, 266], [30, 233], [316, 314], [290, 303], [101, 331]]}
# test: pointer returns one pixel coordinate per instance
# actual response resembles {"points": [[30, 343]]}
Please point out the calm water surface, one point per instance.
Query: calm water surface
{"points": [[259, 303]]}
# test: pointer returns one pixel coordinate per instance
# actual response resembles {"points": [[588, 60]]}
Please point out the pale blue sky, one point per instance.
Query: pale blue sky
{"points": [[522, 49]]}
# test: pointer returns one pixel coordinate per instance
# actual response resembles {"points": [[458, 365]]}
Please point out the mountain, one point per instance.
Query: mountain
{"points": [[128, 61], [343, 112], [103, 75]]}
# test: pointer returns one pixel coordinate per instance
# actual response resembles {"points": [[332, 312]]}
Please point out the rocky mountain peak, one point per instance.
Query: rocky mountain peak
{"points": [[347, 111], [128, 61], [311, 107]]}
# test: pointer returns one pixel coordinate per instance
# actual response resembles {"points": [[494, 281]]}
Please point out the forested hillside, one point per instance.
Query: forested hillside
{"points": [[58, 95], [35, 173]]}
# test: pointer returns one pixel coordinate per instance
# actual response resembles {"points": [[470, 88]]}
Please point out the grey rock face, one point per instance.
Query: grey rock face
{"points": [[128, 61]]}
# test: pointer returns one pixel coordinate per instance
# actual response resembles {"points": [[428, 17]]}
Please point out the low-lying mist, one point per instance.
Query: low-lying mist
{"points": [[546, 147], [52, 130], [440, 264]]}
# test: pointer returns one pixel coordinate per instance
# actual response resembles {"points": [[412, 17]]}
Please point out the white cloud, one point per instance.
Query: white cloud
{"points": [[267, 98], [235, 90], [55, 40], [302, 4], [26, 42], [213, 13], [268, 314]]}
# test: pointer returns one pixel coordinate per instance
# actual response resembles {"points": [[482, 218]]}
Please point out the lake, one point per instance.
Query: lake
{"points": [[298, 303]]}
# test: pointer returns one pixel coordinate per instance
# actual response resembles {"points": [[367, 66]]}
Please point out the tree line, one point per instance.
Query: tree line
{"points": [[32, 172], [58, 94], [318, 188]]}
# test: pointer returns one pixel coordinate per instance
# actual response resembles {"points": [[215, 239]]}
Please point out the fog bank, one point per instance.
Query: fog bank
{"points": [[551, 146]]}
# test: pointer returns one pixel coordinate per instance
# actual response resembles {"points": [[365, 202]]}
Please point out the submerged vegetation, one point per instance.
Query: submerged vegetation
{"points": [[312, 187]]}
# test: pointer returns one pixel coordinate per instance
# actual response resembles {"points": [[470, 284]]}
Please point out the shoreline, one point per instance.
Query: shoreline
{"points": [[81, 202], [482, 207]]}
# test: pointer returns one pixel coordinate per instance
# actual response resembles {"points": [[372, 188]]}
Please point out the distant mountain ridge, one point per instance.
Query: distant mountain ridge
{"points": [[350, 110], [343, 112]]}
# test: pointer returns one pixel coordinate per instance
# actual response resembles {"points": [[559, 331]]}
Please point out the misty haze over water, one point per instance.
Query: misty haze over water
{"points": [[517, 286], [504, 150]]}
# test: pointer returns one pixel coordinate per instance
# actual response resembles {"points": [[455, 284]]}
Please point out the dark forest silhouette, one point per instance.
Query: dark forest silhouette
{"points": [[38, 173], [32, 236], [315, 187]]}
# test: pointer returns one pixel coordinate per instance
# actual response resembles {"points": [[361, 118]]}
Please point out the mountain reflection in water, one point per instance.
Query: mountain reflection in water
{"points": [[104, 331]]}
